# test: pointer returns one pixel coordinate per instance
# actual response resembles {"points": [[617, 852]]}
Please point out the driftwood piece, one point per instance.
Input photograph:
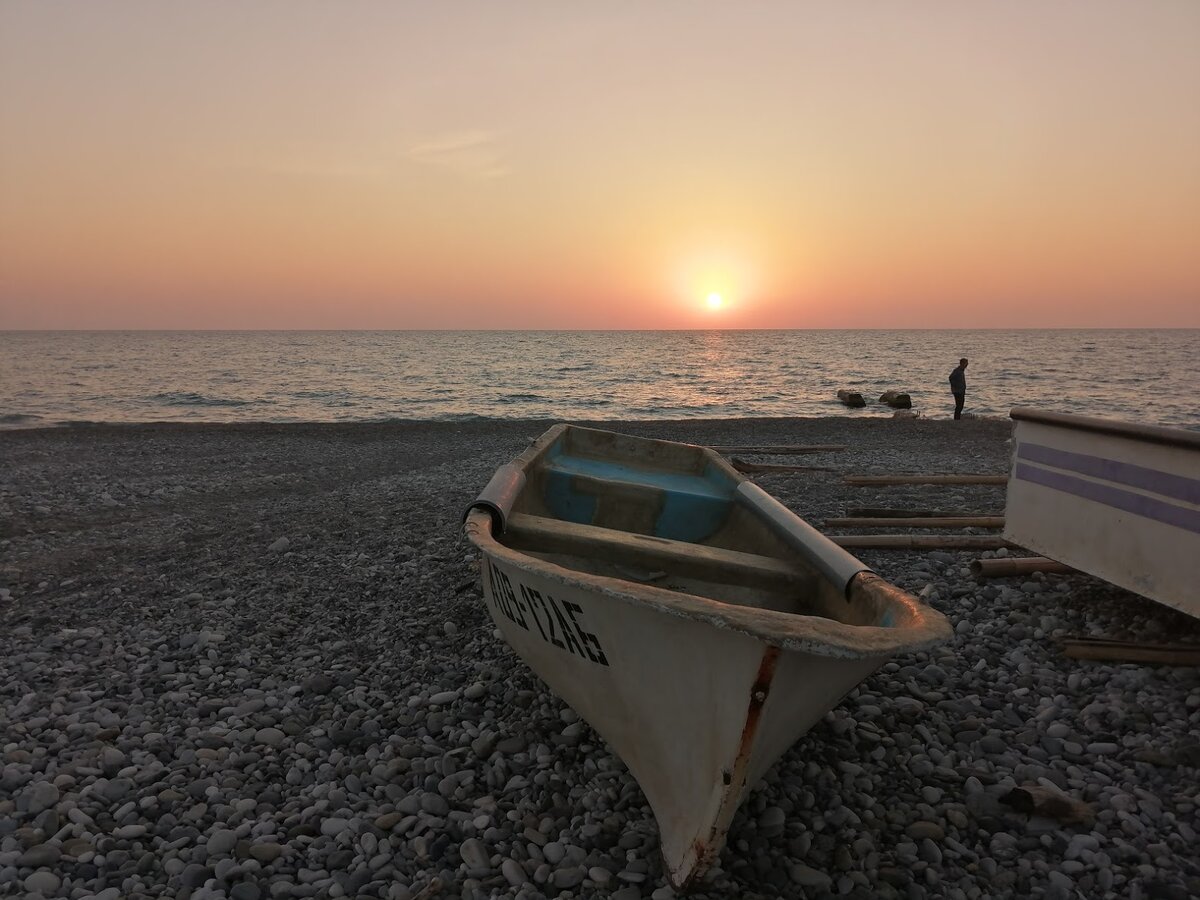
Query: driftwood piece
{"points": [[920, 541], [1018, 565], [1038, 800], [780, 449], [1131, 651], [867, 480], [749, 467], [918, 522], [852, 399]]}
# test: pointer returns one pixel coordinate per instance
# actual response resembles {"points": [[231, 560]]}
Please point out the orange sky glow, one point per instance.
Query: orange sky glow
{"points": [[547, 165]]}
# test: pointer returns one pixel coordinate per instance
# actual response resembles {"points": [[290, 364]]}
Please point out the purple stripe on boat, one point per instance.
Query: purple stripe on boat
{"points": [[1177, 487], [1106, 494]]}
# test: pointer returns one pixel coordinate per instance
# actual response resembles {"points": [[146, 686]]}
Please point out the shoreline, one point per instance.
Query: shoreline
{"points": [[609, 424], [221, 644]]}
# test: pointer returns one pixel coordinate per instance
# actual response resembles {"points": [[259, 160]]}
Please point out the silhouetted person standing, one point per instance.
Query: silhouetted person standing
{"points": [[958, 386]]}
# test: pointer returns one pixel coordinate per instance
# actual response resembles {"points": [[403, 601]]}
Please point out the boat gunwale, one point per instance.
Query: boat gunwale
{"points": [[1153, 434], [917, 626]]}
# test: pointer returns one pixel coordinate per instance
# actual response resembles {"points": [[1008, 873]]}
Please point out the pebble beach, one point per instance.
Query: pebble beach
{"points": [[253, 661]]}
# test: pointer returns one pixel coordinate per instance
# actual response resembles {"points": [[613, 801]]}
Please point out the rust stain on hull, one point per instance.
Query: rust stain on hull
{"points": [[708, 848], [758, 697]]}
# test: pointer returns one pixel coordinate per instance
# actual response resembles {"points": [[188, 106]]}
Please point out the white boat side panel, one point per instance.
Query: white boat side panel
{"points": [[805, 688], [668, 694], [1124, 510]]}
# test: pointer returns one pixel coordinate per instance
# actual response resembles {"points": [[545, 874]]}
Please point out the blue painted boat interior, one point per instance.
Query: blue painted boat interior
{"points": [[693, 506]]}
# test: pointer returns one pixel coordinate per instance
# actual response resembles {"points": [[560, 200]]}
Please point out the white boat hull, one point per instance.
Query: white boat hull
{"points": [[693, 621], [697, 713], [1118, 501]]}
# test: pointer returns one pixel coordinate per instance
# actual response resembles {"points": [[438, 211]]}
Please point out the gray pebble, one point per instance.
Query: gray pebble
{"points": [[41, 855], [809, 877], [318, 684], [42, 796], [568, 877], [272, 737], [930, 852], [266, 852], [925, 831], [42, 883], [771, 821], [220, 842], [474, 854], [194, 875], [333, 826], [513, 873], [554, 852]]}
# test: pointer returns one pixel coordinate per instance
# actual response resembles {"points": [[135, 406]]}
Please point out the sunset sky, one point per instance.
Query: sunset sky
{"points": [[609, 165]]}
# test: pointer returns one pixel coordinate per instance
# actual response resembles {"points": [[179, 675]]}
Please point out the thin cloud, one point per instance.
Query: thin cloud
{"points": [[331, 169], [470, 154]]}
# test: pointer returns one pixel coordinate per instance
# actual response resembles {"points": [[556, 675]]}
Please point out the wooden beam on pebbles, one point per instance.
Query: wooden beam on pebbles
{"points": [[876, 480], [1018, 565], [751, 467], [918, 522], [780, 449], [1105, 650], [879, 512], [919, 541]]}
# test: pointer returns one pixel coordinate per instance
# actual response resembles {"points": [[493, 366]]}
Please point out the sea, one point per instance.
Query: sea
{"points": [[52, 378]]}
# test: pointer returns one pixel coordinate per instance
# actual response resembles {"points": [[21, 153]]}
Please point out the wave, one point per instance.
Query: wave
{"points": [[190, 398], [322, 395], [522, 398]]}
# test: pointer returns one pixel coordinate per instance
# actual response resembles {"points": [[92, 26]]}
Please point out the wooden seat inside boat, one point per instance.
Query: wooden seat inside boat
{"points": [[547, 535]]}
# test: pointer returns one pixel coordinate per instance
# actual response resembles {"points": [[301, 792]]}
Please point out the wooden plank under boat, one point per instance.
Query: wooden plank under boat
{"points": [[696, 623], [1116, 500]]}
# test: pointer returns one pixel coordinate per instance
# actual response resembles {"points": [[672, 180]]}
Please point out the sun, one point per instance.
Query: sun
{"points": [[715, 301]]}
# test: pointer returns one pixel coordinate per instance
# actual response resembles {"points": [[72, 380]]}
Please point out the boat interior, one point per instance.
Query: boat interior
{"points": [[665, 515]]}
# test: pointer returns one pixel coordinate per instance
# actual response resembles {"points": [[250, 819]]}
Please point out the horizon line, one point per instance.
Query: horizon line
{"points": [[551, 330]]}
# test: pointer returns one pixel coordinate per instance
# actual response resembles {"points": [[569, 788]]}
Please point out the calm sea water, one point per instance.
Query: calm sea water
{"points": [[49, 378]]}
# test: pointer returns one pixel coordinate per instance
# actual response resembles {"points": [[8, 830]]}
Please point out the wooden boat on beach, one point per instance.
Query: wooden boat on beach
{"points": [[696, 623], [1117, 500]]}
